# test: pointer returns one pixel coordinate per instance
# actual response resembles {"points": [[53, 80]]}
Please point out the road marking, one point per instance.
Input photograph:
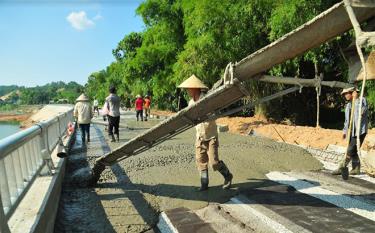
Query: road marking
{"points": [[268, 221], [351, 204], [165, 225]]}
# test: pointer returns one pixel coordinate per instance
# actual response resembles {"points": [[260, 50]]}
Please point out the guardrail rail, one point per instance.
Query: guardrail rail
{"points": [[22, 157]]}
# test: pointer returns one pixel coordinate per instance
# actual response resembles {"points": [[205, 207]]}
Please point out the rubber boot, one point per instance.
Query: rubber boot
{"points": [[113, 138], [204, 180], [356, 167], [223, 169], [342, 166]]}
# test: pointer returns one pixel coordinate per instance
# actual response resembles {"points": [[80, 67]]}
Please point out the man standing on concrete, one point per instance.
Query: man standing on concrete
{"points": [[207, 141], [113, 108], [352, 153], [83, 114], [139, 107]]}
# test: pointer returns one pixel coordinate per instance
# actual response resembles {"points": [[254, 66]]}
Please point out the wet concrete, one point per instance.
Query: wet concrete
{"points": [[131, 194]]}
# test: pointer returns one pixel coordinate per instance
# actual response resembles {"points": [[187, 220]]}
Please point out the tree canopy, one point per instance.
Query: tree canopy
{"points": [[185, 37]]}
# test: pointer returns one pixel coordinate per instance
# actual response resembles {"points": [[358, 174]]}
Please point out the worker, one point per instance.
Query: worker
{"points": [[207, 141], [139, 107], [96, 106], [352, 153], [83, 115], [113, 108], [147, 106]]}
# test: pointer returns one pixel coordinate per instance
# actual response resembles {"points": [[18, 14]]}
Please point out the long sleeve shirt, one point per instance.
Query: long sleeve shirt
{"points": [[113, 105], [206, 130], [364, 120], [83, 112]]}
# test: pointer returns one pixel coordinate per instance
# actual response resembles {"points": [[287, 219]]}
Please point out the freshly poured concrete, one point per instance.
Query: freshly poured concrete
{"points": [[131, 194]]}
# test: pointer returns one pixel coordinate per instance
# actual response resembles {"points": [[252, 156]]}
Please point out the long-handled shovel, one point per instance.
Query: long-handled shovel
{"points": [[345, 170]]}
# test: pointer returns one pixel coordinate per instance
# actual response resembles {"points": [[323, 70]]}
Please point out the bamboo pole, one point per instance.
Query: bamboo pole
{"points": [[345, 172], [303, 82]]}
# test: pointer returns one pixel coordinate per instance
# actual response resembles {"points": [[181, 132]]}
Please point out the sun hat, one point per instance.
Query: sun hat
{"points": [[82, 98], [349, 89], [193, 82]]}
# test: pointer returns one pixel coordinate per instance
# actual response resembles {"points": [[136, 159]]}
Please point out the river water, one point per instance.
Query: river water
{"points": [[7, 129]]}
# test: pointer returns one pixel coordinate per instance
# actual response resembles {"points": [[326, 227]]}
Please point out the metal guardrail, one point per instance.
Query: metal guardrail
{"points": [[22, 157]]}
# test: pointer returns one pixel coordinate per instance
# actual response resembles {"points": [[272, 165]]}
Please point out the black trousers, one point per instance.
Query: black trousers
{"points": [[113, 124], [85, 129], [352, 148], [140, 114]]}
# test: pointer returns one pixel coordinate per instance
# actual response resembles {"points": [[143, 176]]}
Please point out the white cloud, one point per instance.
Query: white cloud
{"points": [[97, 17], [80, 21]]}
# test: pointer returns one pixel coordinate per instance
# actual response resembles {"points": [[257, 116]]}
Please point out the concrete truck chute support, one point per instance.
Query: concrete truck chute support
{"points": [[320, 29]]}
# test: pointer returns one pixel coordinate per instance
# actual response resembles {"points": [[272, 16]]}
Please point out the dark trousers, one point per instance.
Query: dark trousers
{"points": [[140, 114], [85, 129], [352, 149], [113, 125]]}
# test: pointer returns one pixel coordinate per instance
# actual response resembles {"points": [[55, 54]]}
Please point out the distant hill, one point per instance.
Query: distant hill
{"points": [[12, 94], [7, 89], [50, 93]]}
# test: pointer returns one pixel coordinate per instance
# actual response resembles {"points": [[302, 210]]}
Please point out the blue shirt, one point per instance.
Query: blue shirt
{"points": [[364, 120]]}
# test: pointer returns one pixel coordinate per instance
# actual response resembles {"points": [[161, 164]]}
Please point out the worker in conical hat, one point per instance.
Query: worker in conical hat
{"points": [[352, 153], [83, 114], [207, 141]]}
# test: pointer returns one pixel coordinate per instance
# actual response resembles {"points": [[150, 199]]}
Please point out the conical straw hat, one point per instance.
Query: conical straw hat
{"points": [[350, 89], [193, 82], [82, 98]]}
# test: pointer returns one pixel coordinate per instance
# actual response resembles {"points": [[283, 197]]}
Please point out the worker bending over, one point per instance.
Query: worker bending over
{"points": [[207, 141], [352, 153]]}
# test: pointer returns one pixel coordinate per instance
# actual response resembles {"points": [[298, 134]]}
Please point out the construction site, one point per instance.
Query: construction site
{"points": [[148, 180]]}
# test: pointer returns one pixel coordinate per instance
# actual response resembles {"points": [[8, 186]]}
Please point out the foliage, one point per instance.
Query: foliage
{"points": [[7, 89], [52, 92], [185, 37], [7, 107]]}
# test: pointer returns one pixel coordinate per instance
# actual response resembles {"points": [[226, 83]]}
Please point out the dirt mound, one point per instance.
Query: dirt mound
{"points": [[304, 135]]}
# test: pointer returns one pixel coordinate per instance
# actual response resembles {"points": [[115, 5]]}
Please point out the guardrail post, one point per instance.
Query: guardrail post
{"points": [[4, 228], [44, 146]]}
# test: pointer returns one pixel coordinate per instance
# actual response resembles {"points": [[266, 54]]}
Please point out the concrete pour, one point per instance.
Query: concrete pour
{"points": [[131, 194]]}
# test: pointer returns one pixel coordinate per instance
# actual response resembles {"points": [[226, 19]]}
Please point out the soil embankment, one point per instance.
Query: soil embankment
{"points": [[314, 137], [19, 114], [14, 117]]}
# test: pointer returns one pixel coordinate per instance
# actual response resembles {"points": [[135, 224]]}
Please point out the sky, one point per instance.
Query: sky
{"points": [[61, 40]]}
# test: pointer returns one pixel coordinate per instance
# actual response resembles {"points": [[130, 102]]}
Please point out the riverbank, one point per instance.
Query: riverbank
{"points": [[19, 114], [13, 118]]}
